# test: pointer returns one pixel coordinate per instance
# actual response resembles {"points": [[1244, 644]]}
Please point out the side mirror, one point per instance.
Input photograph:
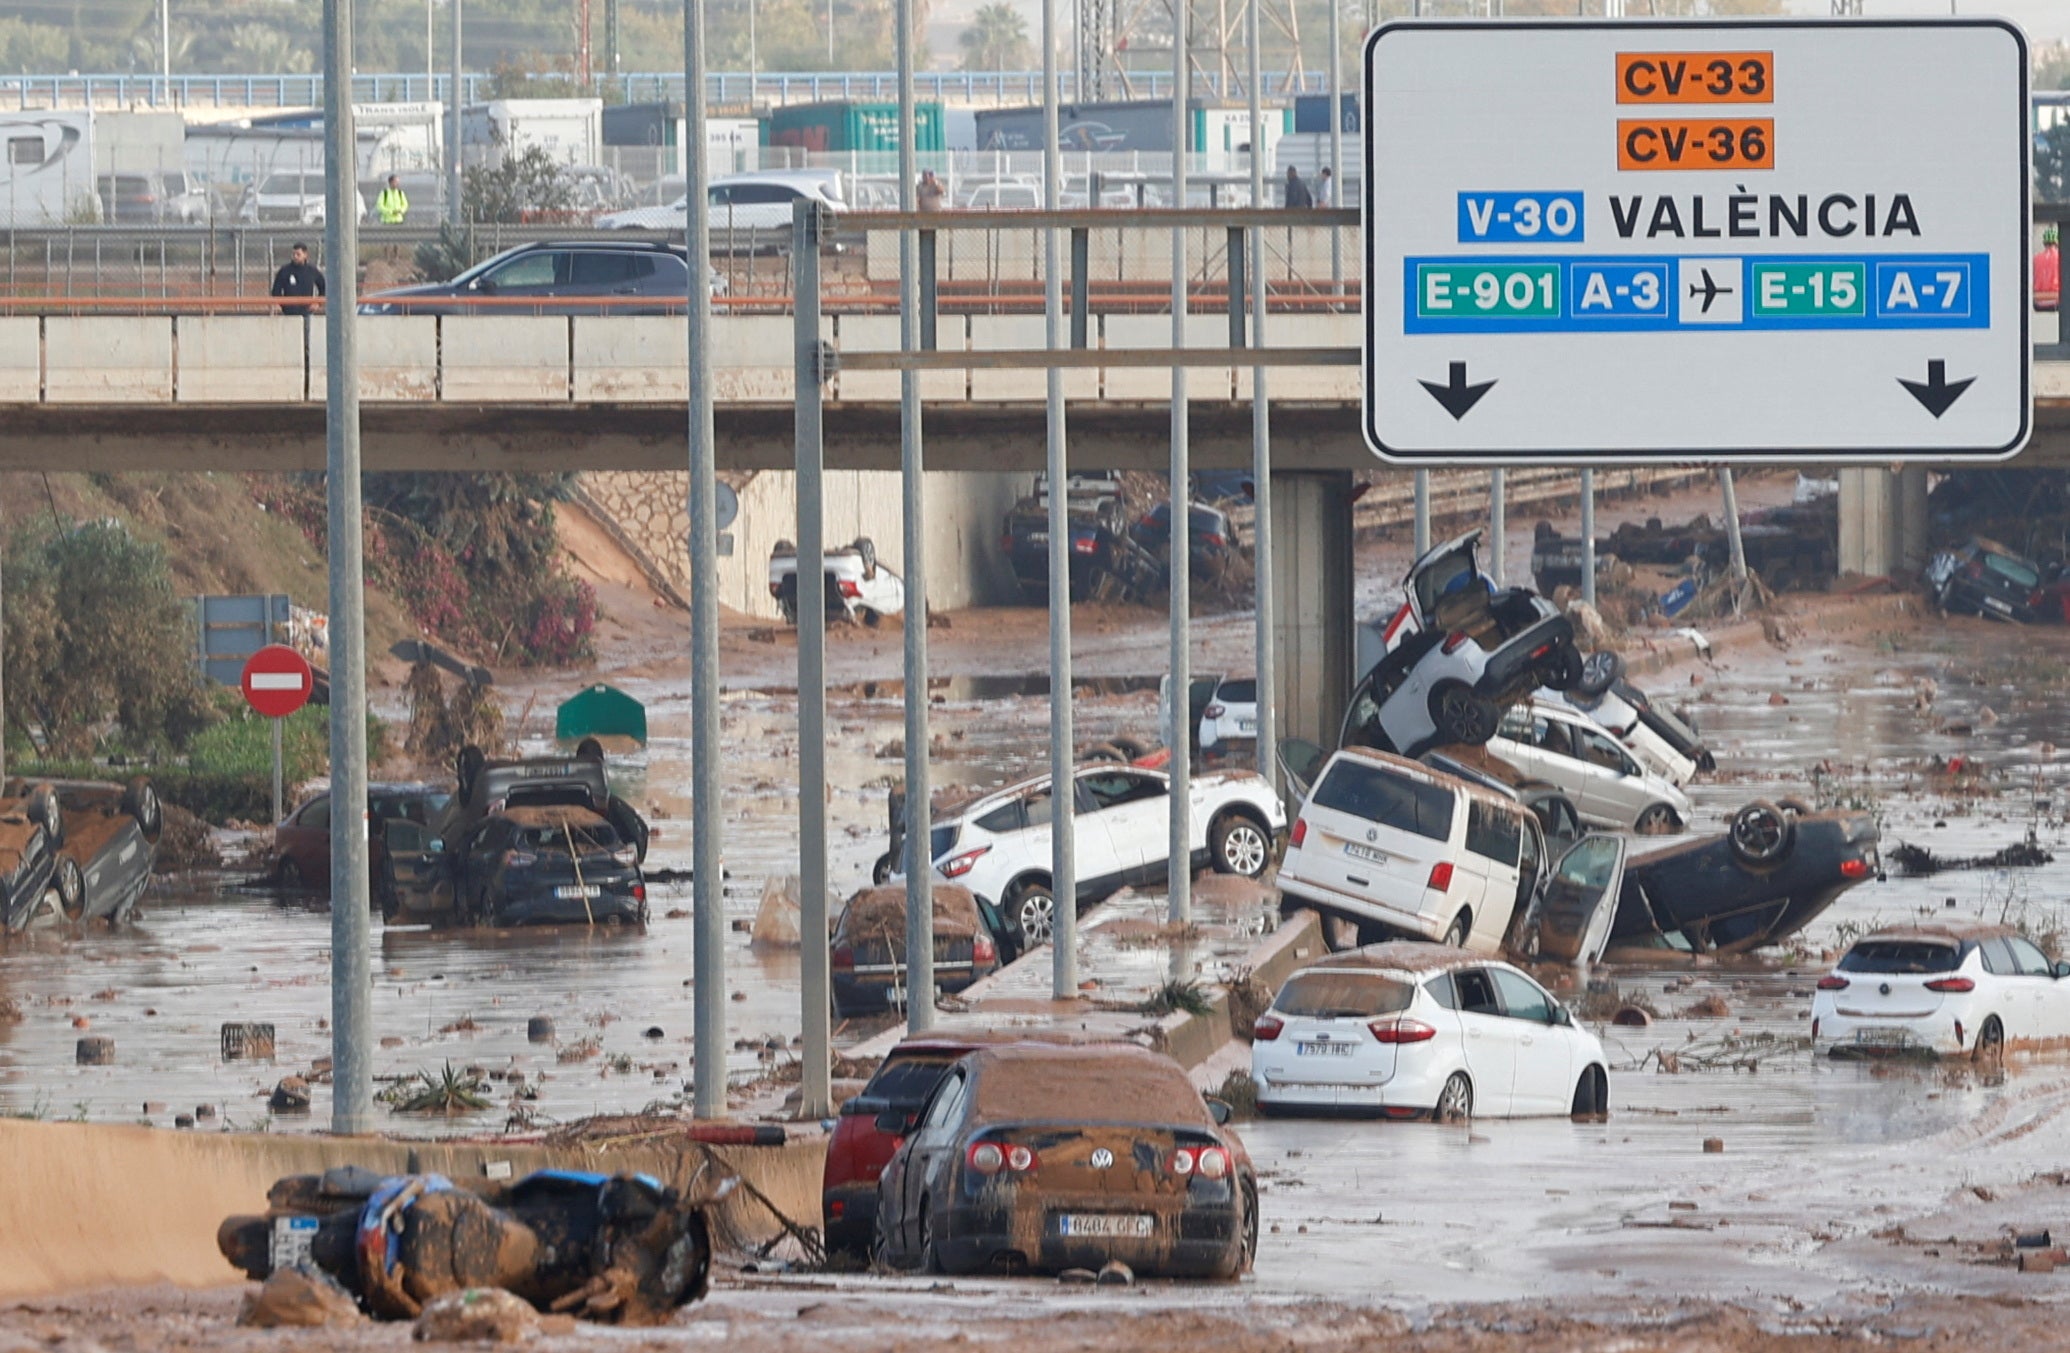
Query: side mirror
{"points": [[892, 1121], [1563, 1017], [435, 845], [1220, 1111], [2062, 970]]}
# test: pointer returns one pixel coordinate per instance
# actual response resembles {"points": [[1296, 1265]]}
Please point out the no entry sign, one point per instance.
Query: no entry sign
{"points": [[1788, 240], [277, 681]]}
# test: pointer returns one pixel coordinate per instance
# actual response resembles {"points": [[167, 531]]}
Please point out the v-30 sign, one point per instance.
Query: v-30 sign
{"points": [[1661, 240]]}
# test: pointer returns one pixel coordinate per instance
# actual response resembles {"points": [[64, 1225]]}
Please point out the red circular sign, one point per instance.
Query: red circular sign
{"points": [[277, 681]]}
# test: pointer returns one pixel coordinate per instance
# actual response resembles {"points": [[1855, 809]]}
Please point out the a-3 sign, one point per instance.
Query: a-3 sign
{"points": [[1663, 240]]}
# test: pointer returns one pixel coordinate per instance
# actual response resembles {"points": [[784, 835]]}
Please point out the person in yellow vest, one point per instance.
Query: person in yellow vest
{"points": [[393, 204]]}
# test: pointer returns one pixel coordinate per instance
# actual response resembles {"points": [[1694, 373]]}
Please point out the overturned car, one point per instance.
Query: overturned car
{"points": [[622, 1249], [79, 850]]}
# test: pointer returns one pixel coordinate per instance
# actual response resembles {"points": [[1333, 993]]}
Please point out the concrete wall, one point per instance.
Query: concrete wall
{"points": [[650, 510], [1312, 592]]}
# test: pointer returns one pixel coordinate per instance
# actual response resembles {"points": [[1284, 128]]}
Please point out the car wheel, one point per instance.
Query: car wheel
{"points": [[44, 808], [466, 766], [1239, 846], [287, 873], [1761, 834], [1250, 1228], [1462, 716], [1103, 751], [1129, 747], [1455, 1101], [70, 885], [880, 872], [1564, 670], [930, 1262], [140, 801], [1990, 1046], [1034, 907], [1795, 807], [1461, 927], [871, 619], [1657, 820], [1591, 1095], [1599, 671]]}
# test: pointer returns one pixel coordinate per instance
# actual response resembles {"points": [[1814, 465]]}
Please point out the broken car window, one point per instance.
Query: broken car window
{"points": [[1476, 992], [1378, 794]]}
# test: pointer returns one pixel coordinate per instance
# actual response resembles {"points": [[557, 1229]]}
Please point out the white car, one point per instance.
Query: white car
{"points": [[291, 198], [739, 204], [1460, 651], [858, 587], [998, 846], [1568, 749], [1410, 1030], [1231, 714], [1663, 742], [1952, 988]]}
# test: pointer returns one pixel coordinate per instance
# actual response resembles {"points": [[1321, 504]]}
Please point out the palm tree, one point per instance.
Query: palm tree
{"points": [[997, 39]]}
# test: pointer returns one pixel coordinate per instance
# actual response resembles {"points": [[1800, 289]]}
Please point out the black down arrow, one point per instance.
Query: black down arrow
{"points": [[1456, 395], [1937, 394]]}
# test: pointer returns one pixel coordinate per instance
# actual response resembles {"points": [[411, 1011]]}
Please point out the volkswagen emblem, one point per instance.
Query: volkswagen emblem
{"points": [[1372, 835], [1102, 1158]]}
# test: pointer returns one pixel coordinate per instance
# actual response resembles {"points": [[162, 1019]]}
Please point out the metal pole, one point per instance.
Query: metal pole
{"points": [[912, 483], [1179, 867], [455, 209], [708, 878], [278, 806], [165, 58], [1732, 535], [1498, 526], [1063, 839], [1422, 513], [815, 1089], [430, 55], [3, 668], [1264, 645], [1336, 140], [1588, 536], [352, 1072]]}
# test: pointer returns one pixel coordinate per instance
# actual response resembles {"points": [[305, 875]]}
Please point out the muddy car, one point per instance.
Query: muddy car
{"points": [[1950, 989], [1771, 873], [106, 844], [622, 1249], [869, 947], [33, 878], [540, 841], [1037, 1157], [1461, 651], [1664, 741], [1562, 746], [302, 839], [1982, 577], [857, 586]]}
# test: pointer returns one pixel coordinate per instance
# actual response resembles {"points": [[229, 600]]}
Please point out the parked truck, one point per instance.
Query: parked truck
{"points": [[46, 173], [570, 131]]}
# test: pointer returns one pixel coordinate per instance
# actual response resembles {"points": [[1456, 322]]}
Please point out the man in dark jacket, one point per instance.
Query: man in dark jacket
{"points": [[297, 282], [1297, 191]]}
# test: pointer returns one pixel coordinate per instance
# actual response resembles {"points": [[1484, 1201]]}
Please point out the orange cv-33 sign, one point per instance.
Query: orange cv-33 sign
{"points": [[1695, 77]]}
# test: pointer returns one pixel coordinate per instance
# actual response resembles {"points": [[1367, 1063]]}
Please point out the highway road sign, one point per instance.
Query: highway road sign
{"points": [[1654, 240], [277, 681]]}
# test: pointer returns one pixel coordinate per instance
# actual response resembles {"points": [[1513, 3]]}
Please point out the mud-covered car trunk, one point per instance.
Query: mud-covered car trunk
{"points": [[869, 948], [553, 866], [1072, 1212], [27, 866]]}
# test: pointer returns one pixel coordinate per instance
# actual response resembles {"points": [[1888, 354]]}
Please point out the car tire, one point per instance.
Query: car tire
{"points": [[871, 619], [1599, 672], [1033, 907], [881, 871], [867, 548], [589, 749], [45, 809], [1990, 1044], [140, 802], [1238, 845], [1564, 670], [930, 1262], [286, 873], [1591, 1095], [1130, 747], [70, 886], [1455, 1101], [1761, 834], [1795, 807], [1461, 927], [1461, 716], [1657, 820], [466, 766], [1103, 751]]}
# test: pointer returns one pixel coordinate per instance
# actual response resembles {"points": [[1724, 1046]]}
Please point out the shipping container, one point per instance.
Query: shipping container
{"points": [[840, 127], [645, 140], [570, 131], [1312, 113], [1144, 125]]}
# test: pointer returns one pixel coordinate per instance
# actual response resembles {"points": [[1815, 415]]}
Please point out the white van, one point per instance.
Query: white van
{"points": [[1383, 839]]}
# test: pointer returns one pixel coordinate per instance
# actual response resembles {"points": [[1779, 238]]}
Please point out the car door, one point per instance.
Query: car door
{"points": [[1578, 901], [1542, 1079], [1519, 740], [1490, 1038], [1132, 808], [599, 282], [1611, 788], [526, 276], [932, 1147], [2037, 986]]}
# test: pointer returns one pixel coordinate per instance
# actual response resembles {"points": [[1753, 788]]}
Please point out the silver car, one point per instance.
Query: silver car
{"points": [[1551, 742]]}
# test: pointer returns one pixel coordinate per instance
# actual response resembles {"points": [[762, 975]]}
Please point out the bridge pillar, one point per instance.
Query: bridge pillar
{"points": [[1312, 593], [1869, 514]]}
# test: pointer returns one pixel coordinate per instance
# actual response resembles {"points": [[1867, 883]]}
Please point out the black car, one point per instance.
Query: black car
{"points": [[1982, 577], [585, 277], [1211, 537], [109, 834], [1773, 871], [31, 830], [972, 940], [541, 841], [1106, 563]]}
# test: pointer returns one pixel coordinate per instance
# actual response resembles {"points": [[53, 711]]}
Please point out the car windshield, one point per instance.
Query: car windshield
{"points": [[1900, 956], [1343, 995], [2016, 571], [1242, 692], [907, 1079], [1380, 795]]}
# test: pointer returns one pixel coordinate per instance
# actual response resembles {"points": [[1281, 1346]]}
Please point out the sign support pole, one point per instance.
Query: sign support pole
{"points": [[1422, 513], [912, 483], [1588, 536], [815, 1096], [1264, 644], [1179, 871], [1063, 841], [277, 805], [1498, 526]]}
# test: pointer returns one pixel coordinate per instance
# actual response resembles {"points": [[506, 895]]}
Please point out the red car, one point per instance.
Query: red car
{"points": [[302, 840], [873, 1124]]}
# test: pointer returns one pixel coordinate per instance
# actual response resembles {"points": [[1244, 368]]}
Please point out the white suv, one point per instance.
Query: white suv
{"points": [[1951, 988], [999, 846], [1550, 742]]}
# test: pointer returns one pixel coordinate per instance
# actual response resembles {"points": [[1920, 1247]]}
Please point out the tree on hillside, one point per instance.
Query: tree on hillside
{"points": [[997, 39]]}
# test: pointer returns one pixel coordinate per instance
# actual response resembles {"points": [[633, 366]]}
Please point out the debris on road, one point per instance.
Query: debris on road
{"points": [[303, 1297], [1920, 861]]}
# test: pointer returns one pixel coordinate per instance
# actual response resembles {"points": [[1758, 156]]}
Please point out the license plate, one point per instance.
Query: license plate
{"points": [[1997, 605], [1881, 1038], [895, 995], [1247, 726], [291, 1241], [1368, 853], [1107, 1226], [1322, 1049], [573, 892]]}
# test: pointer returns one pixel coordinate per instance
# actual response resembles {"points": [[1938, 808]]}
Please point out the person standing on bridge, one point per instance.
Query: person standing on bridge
{"points": [[393, 204], [1325, 189], [929, 194], [1298, 195], [298, 282]]}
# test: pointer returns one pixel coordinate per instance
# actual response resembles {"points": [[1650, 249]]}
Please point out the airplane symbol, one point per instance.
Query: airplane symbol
{"points": [[1710, 291]]}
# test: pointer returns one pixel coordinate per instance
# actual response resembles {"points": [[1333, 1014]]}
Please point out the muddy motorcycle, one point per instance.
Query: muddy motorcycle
{"points": [[621, 1249]]}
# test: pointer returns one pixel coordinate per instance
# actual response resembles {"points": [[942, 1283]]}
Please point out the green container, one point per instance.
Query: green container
{"points": [[601, 712], [843, 126]]}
